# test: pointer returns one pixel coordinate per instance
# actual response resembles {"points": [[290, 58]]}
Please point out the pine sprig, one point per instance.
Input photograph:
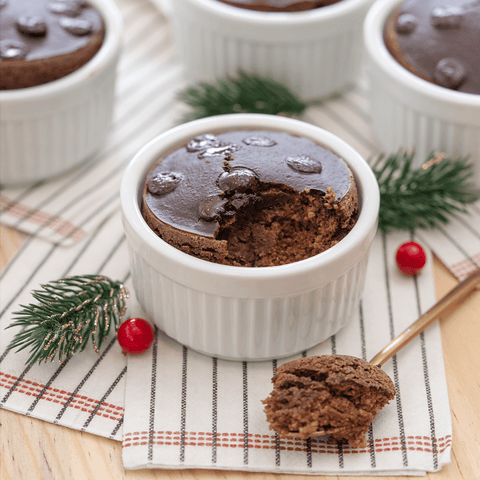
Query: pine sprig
{"points": [[422, 197], [245, 94], [70, 312]]}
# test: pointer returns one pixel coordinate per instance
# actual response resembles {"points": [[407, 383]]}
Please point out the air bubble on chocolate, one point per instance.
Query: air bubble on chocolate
{"points": [[304, 164], [406, 23], [223, 150], [447, 17], [202, 142], [32, 26], [237, 179], [71, 8], [212, 207], [76, 26], [12, 50], [259, 141], [163, 183], [449, 73]]}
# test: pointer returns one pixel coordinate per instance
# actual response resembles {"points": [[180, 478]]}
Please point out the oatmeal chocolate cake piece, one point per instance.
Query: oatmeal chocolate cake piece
{"points": [[250, 198], [327, 392]]}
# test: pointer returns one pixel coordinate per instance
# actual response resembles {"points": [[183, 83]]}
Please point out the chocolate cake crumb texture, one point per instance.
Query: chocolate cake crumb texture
{"points": [[327, 392], [250, 198]]}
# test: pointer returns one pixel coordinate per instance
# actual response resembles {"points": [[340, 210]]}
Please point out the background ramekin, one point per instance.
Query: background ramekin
{"points": [[49, 129], [245, 313], [408, 112], [315, 53]]}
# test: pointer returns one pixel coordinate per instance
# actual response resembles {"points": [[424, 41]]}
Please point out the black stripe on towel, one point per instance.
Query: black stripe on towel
{"points": [[15, 384], [47, 386], [153, 391], [245, 413], [117, 428], [102, 400], [341, 463], [183, 413], [426, 377], [371, 440], [214, 408], [308, 441], [84, 380], [396, 382], [277, 438]]}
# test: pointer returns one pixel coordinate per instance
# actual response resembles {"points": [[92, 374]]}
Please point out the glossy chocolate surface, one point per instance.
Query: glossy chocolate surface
{"points": [[196, 186], [35, 29], [440, 41], [280, 5]]}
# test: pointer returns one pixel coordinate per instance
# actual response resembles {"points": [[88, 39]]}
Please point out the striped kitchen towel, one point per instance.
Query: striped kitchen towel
{"points": [[86, 392], [187, 410], [191, 424]]}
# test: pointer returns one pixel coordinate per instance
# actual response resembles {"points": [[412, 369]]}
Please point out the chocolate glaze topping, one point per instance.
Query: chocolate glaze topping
{"points": [[196, 186], [438, 40], [44, 28], [280, 5]]}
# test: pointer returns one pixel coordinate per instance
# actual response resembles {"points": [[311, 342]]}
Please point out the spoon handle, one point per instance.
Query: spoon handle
{"points": [[442, 307]]}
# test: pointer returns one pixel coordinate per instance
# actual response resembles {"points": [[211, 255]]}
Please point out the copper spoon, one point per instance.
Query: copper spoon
{"points": [[442, 308]]}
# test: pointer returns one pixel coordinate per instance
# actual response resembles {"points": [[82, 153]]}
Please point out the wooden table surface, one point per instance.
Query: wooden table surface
{"points": [[32, 449]]}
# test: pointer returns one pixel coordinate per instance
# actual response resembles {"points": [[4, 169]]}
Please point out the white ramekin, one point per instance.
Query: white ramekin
{"points": [[49, 129], [410, 113], [245, 313], [315, 53]]}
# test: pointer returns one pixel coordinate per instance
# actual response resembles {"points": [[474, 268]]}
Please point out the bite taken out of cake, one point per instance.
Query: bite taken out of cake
{"points": [[250, 198]]}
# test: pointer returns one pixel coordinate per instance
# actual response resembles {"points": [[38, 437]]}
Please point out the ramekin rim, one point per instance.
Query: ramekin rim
{"points": [[139, 165], [110, 46], [328, 12], [375, 46]]}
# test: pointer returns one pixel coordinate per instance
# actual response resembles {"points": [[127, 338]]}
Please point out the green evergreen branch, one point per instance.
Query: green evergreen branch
{"points": [[245, 94], [422, 197], [70, 312]]}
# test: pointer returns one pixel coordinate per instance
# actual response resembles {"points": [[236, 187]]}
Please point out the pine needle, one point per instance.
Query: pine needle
{"points": [[245, 94], [422, 197], [69, 314]]}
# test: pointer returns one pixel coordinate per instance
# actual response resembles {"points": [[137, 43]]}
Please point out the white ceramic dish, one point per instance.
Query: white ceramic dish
{"points": [[316, 53], [408, 112], [247, 313], [51, 128]]}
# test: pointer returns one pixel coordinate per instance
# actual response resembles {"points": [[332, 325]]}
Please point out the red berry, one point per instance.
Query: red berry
{"points": [[135, 335], [410, 258]]}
